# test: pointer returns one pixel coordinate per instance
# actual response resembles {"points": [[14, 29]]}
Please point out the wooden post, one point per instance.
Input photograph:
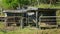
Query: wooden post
{"points": [[21, 23], [26, 19], [5, 21], [39, 22], [36, 19]]}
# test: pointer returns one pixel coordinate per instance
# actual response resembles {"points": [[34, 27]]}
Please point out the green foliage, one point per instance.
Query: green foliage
{"points": [[49, 1], [7, 4], [1, 25], [32, 31], [13, 4], [58, 18]]}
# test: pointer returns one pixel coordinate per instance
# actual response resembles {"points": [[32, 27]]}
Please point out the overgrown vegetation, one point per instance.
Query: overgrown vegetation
{"points": [[13, 4], [32, 31], [27, 30], [58, 18]]}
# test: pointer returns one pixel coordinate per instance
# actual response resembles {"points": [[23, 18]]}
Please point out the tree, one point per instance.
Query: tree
{"points": [[9, 4], [13, 4], [49, 1]]}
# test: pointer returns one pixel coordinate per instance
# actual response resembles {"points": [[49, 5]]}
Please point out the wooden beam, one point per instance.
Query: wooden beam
{"points": [[21, 23], [5, 22], [37, 19]]}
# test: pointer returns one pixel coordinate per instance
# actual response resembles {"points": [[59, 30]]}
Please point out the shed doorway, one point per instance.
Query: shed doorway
{"points": [[47, 18], [31, 19]]}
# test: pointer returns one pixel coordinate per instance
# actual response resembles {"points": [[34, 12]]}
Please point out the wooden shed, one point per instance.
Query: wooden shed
{"points": [[32, 16]]}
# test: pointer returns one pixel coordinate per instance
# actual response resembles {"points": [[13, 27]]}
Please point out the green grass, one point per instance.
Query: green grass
{"points": [[1, 25], [2, 14], [48, 6], [58, 18], [28, 30]]}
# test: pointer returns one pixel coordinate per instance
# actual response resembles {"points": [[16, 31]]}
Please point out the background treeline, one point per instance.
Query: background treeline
{"points": [[13, 4], [49, 1]]}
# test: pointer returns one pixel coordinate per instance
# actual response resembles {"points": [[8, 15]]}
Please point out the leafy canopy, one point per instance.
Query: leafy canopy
{"points": [[13, 4]]}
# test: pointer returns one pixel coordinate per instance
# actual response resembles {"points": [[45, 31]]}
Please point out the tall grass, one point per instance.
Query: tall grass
{"points": [[48, 6], [58, 18], [28, 30]]}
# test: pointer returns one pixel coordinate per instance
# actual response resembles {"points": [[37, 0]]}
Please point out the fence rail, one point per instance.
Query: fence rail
{"points": [[47, 21], [49, 18]]}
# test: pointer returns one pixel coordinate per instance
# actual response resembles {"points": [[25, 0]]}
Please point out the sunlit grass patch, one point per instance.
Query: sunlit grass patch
{"points": [[32, 31], [57, 6], [2, 25]]}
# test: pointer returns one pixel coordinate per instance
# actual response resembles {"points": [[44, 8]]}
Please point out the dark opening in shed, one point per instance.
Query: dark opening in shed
{"points": [[47, 17]]}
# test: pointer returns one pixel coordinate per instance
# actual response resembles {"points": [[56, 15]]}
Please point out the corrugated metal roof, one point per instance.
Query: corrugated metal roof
{"points": [[47, 9], [30, 8], [15, 11], [21, 10]]}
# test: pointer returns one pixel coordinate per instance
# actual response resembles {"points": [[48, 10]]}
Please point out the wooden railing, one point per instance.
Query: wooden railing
{"points": [[48, 21]]}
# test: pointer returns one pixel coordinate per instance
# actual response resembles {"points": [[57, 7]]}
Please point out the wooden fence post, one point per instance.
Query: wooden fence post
{"points": [[21, 23], [36, 19]]}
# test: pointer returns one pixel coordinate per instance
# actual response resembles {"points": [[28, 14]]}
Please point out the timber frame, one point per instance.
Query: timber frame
{"points": [[25, 11]]}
